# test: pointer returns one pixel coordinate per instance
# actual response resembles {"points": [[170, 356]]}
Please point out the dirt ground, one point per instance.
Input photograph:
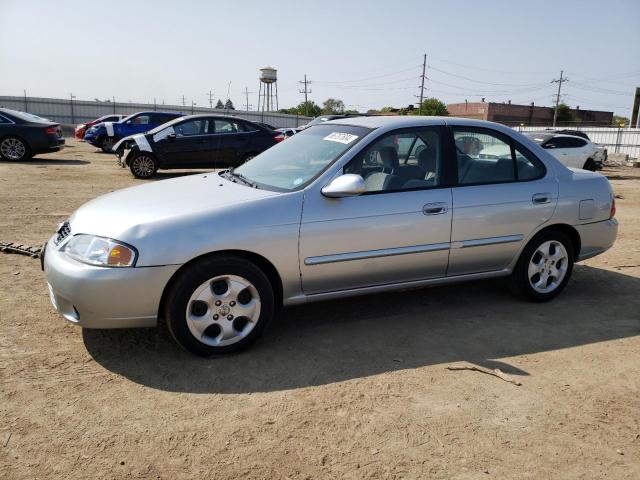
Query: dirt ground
{"points": [[355, 388]]}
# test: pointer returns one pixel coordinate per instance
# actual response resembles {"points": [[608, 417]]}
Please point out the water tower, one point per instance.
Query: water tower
{"points": [[267, 97]]}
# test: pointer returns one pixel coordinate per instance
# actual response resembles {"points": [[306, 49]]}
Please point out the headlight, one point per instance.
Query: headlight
{"points": [[100, 251]]}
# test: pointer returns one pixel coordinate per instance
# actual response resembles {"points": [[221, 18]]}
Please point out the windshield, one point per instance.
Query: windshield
{"points": [[291, 164]]}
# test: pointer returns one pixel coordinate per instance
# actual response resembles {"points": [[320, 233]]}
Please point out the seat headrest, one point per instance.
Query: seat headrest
{"points": [[427, 159], [389, 157]]}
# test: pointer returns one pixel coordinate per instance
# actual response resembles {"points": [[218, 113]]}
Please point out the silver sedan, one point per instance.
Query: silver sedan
{"points": [[354, 206]]}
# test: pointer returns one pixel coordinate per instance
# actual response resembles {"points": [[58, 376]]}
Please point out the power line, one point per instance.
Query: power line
{"points": [[247, 106], [559, 82], [480, 81], [306, 90], [412, 68], [422, 78]]}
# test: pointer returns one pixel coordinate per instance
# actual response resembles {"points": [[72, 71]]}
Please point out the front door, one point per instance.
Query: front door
{"points": [[188, 147], [397, 231], [503, 194]]}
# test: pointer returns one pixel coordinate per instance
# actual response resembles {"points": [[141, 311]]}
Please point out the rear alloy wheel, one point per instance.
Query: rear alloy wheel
{"points": [[545, 266], [107, 144], [14, 149], [143, 166], [219, 305]]}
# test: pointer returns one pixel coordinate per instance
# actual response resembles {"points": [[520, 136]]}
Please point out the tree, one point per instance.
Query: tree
{"points": [[431, 107], [219, 105], [332, 105], [310, 108], [617, 120], [228, 105], [564, 113]]}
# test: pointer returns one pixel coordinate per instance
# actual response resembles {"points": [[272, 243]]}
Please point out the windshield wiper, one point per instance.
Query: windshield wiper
{"points": [[242, 178]]}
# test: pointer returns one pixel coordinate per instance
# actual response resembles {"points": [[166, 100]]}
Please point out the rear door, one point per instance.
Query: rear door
{"points": [[227, 142], [503, 194]]}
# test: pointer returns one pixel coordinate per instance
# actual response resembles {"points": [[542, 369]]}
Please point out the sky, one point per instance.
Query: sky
{"points": [[367, 53]]}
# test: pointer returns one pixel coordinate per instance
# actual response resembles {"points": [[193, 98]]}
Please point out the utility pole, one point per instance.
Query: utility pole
{"points": [[559, 82], [424, 68], [184, 104], [26, 109], [210, 95], [193, 104], [306, 92], [73, 118], [246, 94], [114, 104]]}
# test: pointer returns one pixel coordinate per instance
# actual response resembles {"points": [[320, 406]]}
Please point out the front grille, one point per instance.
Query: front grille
{"points": [[62, 233]]}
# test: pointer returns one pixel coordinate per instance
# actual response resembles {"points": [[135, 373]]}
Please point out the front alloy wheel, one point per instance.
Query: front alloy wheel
{"points": [[13, 149], [143, 166], [107, 144], [219, 305]]}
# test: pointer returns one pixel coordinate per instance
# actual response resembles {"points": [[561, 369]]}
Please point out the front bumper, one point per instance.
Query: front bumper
{"points": [[92, 139], [101, 297], [596, 238]]}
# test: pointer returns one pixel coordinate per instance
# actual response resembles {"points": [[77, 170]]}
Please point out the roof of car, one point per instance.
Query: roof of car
{"points": [[402, 121]]}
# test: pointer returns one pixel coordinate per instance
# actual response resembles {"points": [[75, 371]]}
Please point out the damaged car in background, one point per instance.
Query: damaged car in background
{"points": [[194, 141]]}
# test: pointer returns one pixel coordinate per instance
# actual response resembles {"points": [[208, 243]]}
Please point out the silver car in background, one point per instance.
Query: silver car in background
{"points": [[360, 205]]}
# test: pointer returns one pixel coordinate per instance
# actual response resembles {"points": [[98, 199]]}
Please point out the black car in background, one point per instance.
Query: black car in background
{"points": [[23, 135], [194, 141]]}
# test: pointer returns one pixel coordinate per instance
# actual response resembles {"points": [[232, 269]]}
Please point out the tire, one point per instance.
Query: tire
{"points": [[143, 165], [544, 267], [590, 165], [107, 143], [219, 305], [14, 149]]}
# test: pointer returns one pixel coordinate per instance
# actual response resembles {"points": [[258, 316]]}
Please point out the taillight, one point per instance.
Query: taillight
{"points": [[51, 130], [613, 207], [279, 138]]}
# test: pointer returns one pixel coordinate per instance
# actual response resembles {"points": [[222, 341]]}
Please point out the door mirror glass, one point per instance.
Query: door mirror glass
{"points": [[128, 122], [347, 185], [549, 145], [171, 137]]}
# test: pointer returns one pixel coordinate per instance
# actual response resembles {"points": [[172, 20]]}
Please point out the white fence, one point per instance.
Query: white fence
{"points": [[67, 112], [616, 140]]}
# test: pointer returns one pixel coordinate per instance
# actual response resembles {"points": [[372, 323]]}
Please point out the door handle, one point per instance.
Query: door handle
{"points": [[540, 198], [437, 208]]}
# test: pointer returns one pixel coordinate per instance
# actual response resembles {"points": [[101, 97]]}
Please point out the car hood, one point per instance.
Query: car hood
{"points": [[132, 213]]}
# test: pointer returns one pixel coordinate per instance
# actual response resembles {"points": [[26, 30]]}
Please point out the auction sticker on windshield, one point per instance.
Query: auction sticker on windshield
{"points": [[345, 138]]}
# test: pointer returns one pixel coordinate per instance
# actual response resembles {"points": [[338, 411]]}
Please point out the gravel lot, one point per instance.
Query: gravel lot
{"points": [[355, 388]]}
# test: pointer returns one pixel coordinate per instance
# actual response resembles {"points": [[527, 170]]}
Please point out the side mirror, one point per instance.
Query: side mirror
{"points": [[171, 137], [550, 145], [347, 185], [128, 122]]}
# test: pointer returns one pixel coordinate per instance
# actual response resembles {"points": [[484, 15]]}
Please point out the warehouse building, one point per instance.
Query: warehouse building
{"points": [[512, 114]]}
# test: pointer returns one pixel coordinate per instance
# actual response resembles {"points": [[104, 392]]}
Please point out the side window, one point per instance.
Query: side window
{"points": [[482, 157], [486, 157], [191, 127], [561, 142], [142, 120], [249, 127], [400, 161], [225, 126], [576, 142]]}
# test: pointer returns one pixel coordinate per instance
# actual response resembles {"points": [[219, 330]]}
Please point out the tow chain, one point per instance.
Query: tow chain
{"points": [[10, 247]]}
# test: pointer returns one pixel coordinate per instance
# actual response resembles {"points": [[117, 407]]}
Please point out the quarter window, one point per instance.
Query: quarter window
{"points": [[400, 161], [484, 157]]}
